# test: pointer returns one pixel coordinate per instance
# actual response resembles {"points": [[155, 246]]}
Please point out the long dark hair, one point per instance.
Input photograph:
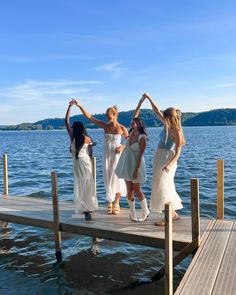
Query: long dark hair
{"points": [[79, 133], [141, 126]]}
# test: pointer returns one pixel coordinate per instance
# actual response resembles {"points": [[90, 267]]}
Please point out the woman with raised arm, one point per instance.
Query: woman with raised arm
{"points": [[165, 161], [113, 130], [81, 148], [131, 165]]}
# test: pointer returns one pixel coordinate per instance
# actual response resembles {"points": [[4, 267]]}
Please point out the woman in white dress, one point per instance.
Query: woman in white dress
{"points": [[113, 131], [165, 161], [81, 148], [131, 165]]}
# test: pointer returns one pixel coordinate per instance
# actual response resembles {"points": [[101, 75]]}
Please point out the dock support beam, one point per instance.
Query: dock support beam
{"points": [[5, 174], [94, 161], [56, 217], [220, 189], [192, 247], [168, 251], [195, 210]]}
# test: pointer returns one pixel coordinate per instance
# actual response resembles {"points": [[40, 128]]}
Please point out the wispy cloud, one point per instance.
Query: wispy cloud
{"points": [[114, 67], [224, 85], [35, 59], [31, 90]]}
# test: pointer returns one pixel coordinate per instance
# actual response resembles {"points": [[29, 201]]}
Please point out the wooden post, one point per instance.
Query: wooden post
{"points": [[5, 174], [56, 217], [220, 189], [94, 161], [195, 210], [168, 251]]}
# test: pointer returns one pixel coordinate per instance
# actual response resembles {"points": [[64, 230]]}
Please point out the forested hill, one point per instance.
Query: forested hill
{"points": [[219, 117]]}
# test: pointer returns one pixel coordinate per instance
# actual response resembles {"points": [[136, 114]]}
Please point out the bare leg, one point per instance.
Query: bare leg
{"points": [[130, 191], [138, 191], [116, 206], [117, 199]]}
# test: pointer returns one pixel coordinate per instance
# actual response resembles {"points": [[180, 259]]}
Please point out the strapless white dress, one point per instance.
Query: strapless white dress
{"points": [[84, 191], [112, 183]]}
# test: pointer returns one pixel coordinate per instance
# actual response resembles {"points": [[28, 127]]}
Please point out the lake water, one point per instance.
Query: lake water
{"points": [[27, 262]]}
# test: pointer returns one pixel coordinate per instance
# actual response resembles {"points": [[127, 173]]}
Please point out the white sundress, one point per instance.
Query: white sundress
{"points": [[84, 191], [112, 183], [163, 186], [128, 160]]}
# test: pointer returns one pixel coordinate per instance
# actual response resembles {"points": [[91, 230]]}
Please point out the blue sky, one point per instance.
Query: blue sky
{"points": [[106, 52]]}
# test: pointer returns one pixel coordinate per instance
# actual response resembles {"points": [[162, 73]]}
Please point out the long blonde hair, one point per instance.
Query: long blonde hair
{"points": [[113, 110], [172, 118]]}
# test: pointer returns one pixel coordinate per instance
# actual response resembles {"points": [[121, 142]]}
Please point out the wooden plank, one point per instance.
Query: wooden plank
{"points": [[56, 216], [190, 248], [195, 212], [26, 220], [168, 251], [226, 279], [191, 266], [38, 212], [94, 170], [5, 174], [220, 189], [202, 276]]}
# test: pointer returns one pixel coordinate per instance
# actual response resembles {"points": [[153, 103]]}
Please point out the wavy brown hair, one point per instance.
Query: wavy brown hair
{"points": [[141, 126]]}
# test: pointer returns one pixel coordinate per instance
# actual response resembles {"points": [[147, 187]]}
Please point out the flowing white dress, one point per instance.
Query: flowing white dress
{"points": [[128, 161], [84, 191], [163, 186], [112, 183]]}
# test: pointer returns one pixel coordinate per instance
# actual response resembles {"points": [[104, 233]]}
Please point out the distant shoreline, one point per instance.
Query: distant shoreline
{"points": [[218, 117]]}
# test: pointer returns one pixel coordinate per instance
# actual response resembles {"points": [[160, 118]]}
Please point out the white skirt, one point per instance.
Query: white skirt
{"points": [[112, 183], [163, 186], [85, 198]]}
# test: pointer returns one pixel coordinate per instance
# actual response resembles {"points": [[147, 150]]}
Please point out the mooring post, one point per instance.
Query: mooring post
{"points": [[56, 217], [168, 251], [220, 189], [5, 174], [94, 162], [194, 183]]}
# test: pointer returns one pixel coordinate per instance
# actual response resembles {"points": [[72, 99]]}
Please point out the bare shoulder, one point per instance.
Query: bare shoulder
{"points": [[87, 140], [124, 130]]}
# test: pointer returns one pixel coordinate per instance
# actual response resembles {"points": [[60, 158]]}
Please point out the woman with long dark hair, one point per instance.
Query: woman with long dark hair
{"points": [[81, 149], [131, 165]]}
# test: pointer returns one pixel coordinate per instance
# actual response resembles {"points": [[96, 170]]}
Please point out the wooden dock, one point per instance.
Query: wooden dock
{"points": [[213, 270], [39, 212], [212, 242]]}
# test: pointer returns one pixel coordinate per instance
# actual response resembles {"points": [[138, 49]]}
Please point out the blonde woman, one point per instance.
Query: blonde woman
{"points": [[165, 161], [113, 131]]}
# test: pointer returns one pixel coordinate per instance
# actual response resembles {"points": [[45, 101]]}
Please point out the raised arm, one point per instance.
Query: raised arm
{"points": [[67, 120], [137, 110], [100, 123], [154, 107]]}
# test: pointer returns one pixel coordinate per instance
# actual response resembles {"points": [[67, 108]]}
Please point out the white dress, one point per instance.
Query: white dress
{"points": [[112, 183], [84, 191], [128, 161], [163, 186]]}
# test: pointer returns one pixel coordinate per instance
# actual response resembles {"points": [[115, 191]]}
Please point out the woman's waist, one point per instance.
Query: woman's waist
{"points": [[166, 147]]}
